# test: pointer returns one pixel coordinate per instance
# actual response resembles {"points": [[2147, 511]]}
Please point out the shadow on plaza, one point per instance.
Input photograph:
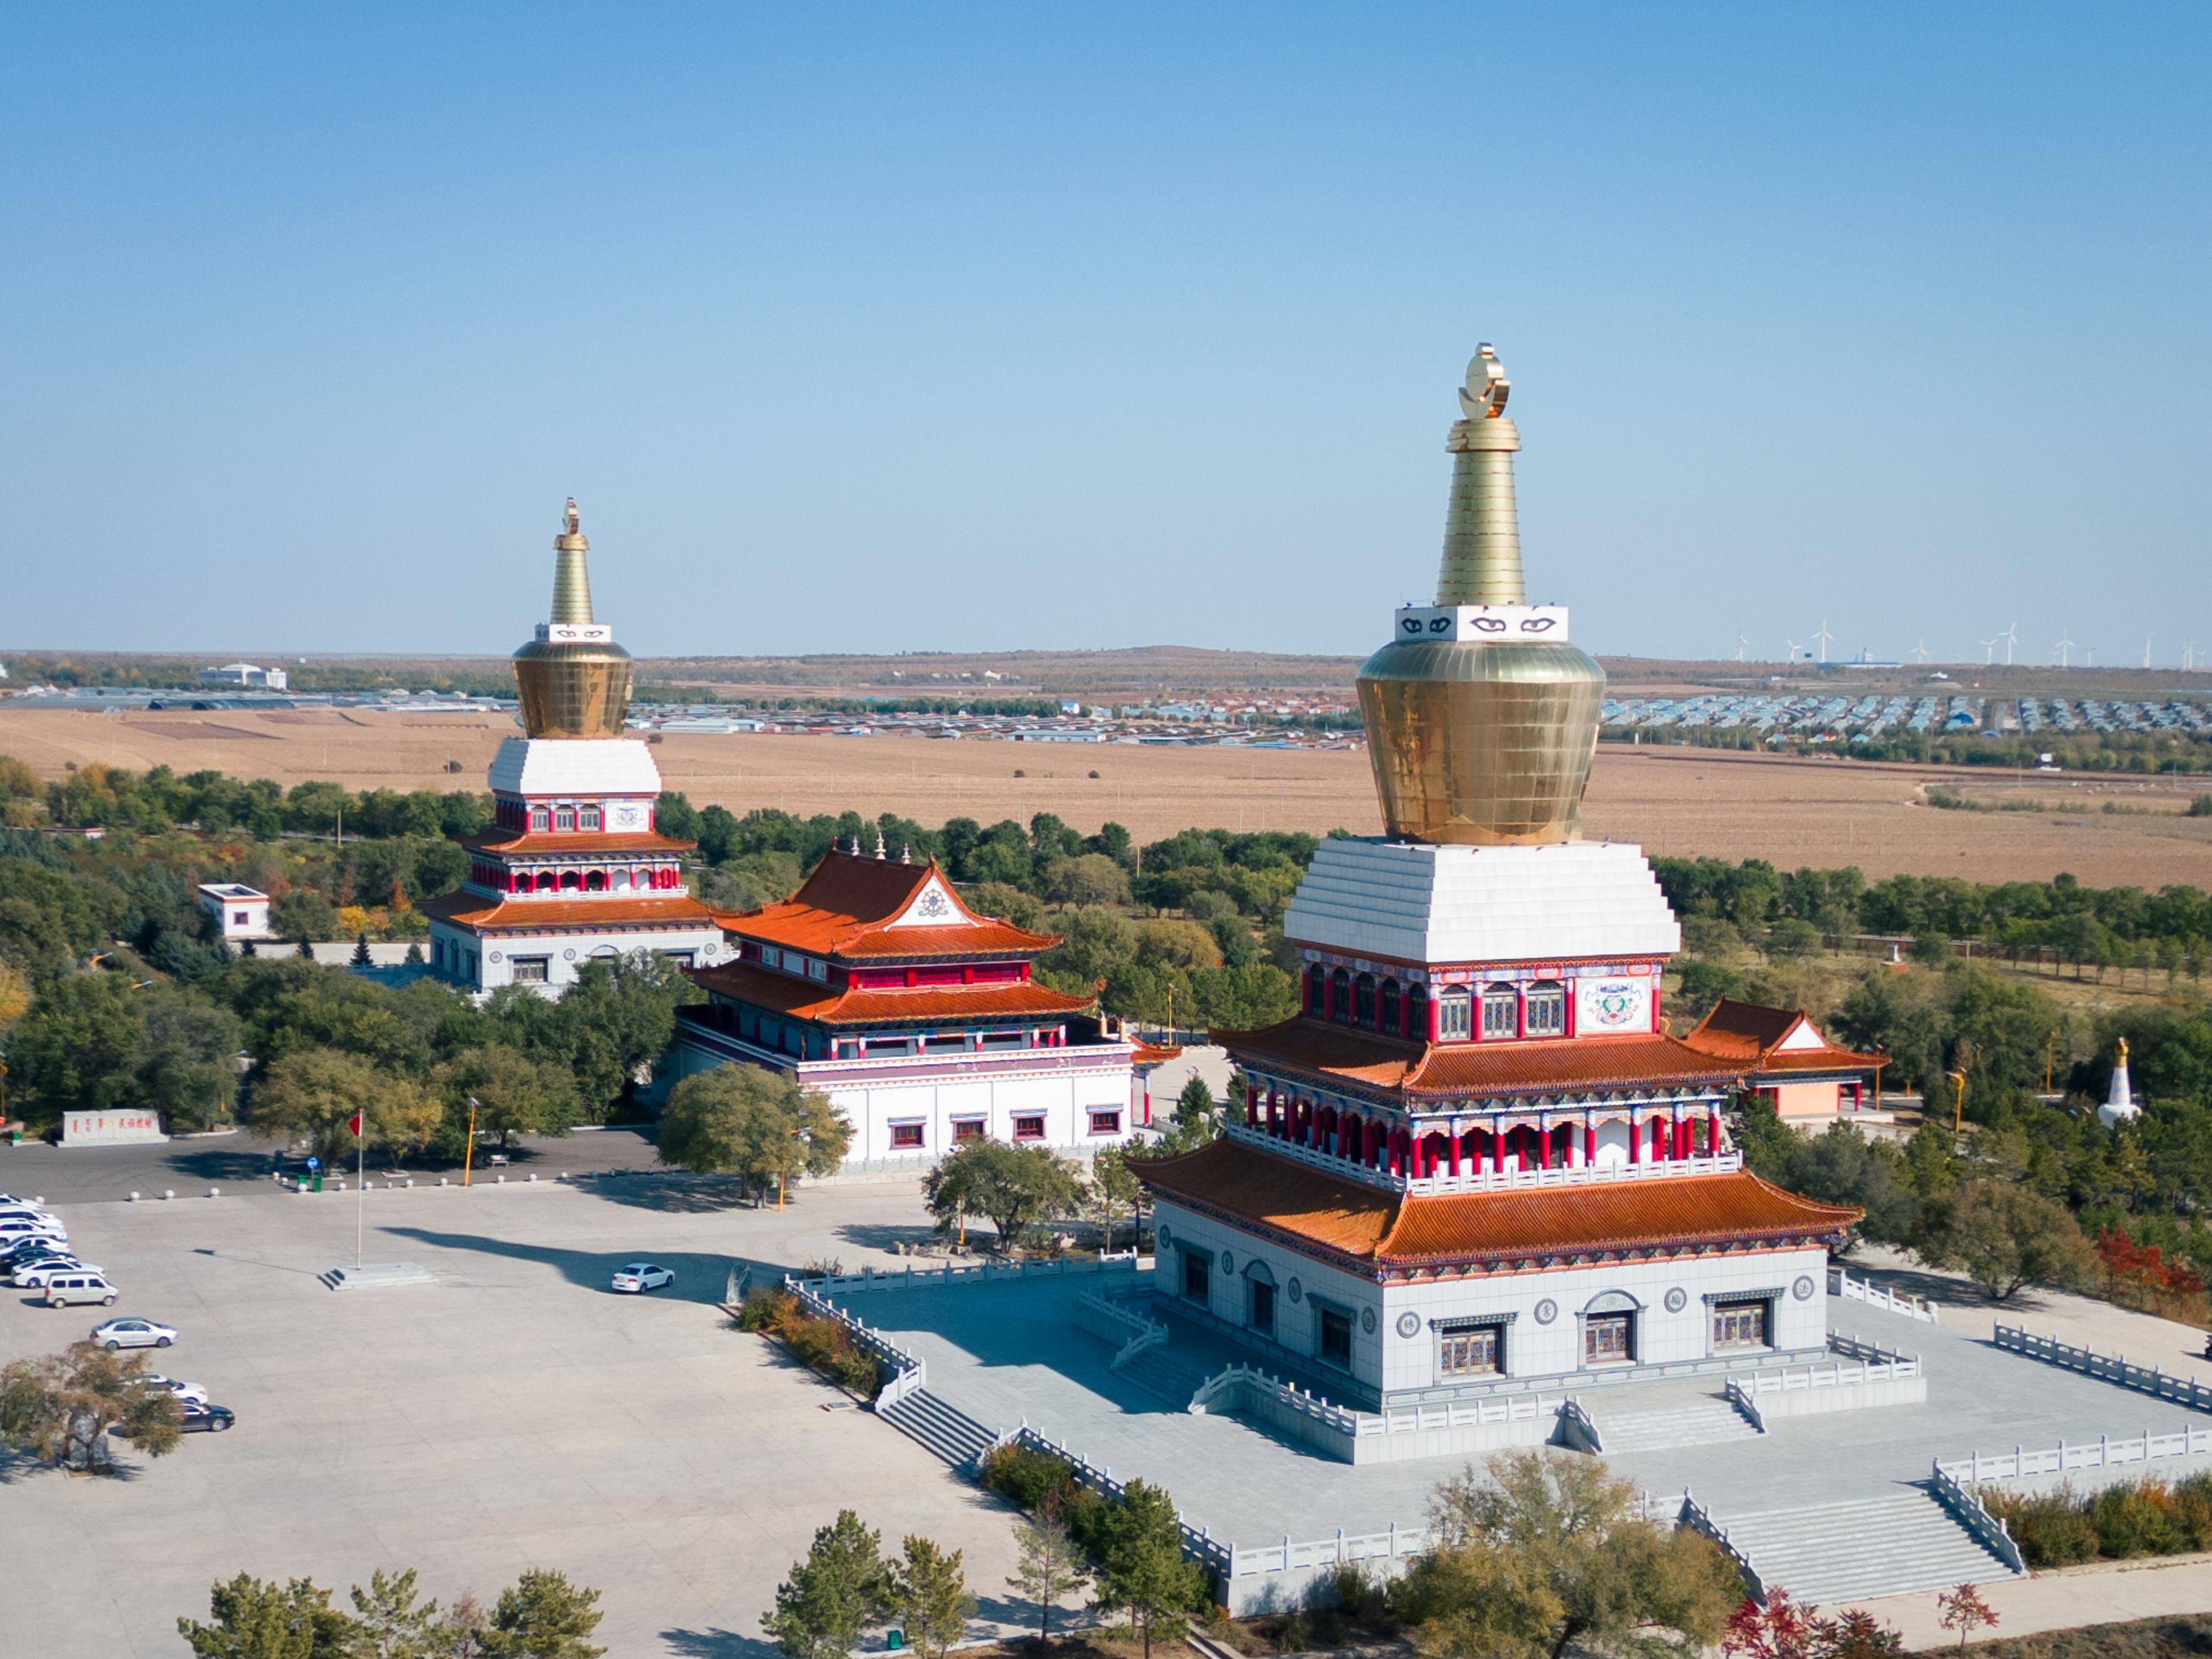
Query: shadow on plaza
{"points": [[671, 1192], [728, 1645], [699, 1278], [888, 1236]]}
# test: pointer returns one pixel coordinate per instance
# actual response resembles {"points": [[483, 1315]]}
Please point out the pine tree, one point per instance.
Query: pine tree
{"points": [[1051, 1569], [306, 946], [928, 1593], [392, 1623], [1142, 1566], [543, 1616], [415, 956], [251, 1619], [832, 1595], [245, 948], [360, 956]]}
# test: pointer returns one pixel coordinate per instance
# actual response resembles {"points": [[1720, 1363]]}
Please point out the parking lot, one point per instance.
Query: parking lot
{"points": [[513, 1413]]}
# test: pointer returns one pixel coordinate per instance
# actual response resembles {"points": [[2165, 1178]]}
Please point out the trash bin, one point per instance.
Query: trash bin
{"points": [[318, 1183]]}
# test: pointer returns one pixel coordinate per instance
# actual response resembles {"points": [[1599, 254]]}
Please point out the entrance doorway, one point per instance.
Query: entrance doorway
{"points": [[1335, 1335], [1263, 1308], [1608, 1339]]}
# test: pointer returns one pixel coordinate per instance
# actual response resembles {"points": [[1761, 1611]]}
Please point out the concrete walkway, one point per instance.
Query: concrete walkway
{"points": [[2110, 1592]]}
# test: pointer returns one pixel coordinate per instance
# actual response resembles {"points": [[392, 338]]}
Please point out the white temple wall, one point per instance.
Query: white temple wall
{"points": [[1664, 1334], [466, 959], [1296, 1318]]}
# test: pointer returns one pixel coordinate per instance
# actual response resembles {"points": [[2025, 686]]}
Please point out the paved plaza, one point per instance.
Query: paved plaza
{"points": [[1008, 1352], [515, 1413]]}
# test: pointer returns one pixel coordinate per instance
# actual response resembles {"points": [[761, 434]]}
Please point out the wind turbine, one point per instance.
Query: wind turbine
{"points": [[1989, 651], [2146, 651], [1920, 651], [1742, 643], [2062, 647], [2011, 637], [1822, 635], [2188, 654], [1792, 644]]}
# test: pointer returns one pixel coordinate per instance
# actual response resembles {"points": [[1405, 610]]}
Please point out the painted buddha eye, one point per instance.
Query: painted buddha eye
{"points": [[1440, 625], [1491, 624], [1412, 624], [1537, 624]]}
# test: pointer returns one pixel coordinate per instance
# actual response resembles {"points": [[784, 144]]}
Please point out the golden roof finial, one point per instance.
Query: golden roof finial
{"points": [[572, 581]]}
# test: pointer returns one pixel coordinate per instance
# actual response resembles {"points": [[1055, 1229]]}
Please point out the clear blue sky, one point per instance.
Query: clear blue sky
{"points": [[969, 327]]}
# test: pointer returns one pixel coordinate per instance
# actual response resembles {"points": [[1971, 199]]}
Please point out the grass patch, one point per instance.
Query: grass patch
{"points": [[2187, 1637], [823, 1344]]}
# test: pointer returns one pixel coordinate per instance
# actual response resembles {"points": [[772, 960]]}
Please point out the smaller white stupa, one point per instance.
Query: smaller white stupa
{"points": [[2120, 1099]]}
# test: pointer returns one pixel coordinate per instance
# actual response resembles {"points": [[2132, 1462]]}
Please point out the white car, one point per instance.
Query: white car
{"points": [[67, 1285], [188, 1392], [642, 1276], [133, 1334], [32, 1274], [13, 1233]]}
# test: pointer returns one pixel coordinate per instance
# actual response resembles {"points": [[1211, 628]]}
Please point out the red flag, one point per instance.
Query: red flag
{"points": [[354, 1124]]}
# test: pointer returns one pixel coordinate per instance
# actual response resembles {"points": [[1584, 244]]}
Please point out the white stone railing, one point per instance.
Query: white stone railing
{"points": [[1224, 1392], [1578, 1428], [1130, 1330], [1488, 1181], [1852, 1347], [1293, 1556], [907, 1374], [1197, 1542], [1975, 1516], [1693, 1516], [2104, 1452], [1514, 1408], [1840, 1283], [978, 1272], [2112, 1367], [1835, 1375]]}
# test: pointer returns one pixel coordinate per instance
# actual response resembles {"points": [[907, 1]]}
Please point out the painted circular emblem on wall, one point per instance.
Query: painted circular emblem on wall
{"points": [[933, 904], [1613, 1002], [1409, 1325], [496, 955], [1228, 1262], [568, 954], [1367, 1320], [1161, 1238], [1298, 1291], [1677, 1299], [1546, 1312], [1802, 1290]]}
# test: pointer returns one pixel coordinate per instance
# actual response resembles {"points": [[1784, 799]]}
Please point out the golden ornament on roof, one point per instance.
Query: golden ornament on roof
{"points": [[573, 678]]}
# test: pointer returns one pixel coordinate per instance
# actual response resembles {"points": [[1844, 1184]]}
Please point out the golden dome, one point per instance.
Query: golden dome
{"points": [[1481, 718], [573, 678]]}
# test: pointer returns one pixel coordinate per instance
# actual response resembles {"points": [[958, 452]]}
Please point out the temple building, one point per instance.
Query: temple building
{"points": [[1476, 1160], [573, 869], [922, 1021], [1809, 1080]]}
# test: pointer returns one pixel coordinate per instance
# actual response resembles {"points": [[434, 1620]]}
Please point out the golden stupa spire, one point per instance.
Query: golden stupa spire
{"points": [[573, 678], [1481, 718]]}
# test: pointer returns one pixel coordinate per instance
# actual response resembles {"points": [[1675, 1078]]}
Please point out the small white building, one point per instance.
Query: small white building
{"points": [[241, 912], [245, 674]]}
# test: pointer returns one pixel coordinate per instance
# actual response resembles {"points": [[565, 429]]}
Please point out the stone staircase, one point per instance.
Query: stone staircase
{"points": [[1827, 1554], [1702, 1421], [953, 1435], [1163, 1372]]}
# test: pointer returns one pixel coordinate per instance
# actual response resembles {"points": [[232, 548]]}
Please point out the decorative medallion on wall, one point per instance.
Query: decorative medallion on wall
{"points": [[1677, 1299], [1546, 1312], [1228, 1262], [933, 904], [494, 955], [1409, 1325], [1367, 1320], [1613, 1002], [569, 955], [1161, 1239], [1298, 1291], [1802, 1290]]}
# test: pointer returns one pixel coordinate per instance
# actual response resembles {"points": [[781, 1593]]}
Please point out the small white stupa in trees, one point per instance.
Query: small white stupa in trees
{"points": [[2119, 1100]]}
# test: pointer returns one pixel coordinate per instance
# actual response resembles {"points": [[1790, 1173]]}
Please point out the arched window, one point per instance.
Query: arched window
{"points": [[1391, 1011], [1547, 1009], [1316, 990], [1339, 987], [1418, 1014], [595, 881], [1452, 1014], [571, 881], [1363, 1000], [1501, 1011]]}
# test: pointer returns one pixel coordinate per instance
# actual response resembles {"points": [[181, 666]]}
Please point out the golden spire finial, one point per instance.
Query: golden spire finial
{"points": [[1482, 525], [572, 581], [1483, 397]]}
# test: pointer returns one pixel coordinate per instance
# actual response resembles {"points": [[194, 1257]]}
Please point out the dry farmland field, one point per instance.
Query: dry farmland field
{"points": [[1674, 801]]}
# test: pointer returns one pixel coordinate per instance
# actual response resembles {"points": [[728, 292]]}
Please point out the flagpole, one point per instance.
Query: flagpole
{"points": [[361, 1181]]}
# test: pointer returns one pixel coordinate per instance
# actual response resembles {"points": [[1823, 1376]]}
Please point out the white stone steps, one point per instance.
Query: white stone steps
{"points": [[1845, 1551], [1693, 1423], [951, 1434]]}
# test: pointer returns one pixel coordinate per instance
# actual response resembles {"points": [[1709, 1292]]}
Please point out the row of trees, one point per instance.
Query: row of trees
{"points": [[541, 1615], [114, 798]]}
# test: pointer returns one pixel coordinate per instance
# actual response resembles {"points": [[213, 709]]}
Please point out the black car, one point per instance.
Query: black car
{"points": [[23, 1250], [212, 1419]]}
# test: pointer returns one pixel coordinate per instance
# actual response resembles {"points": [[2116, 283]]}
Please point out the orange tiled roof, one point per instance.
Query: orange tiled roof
{"points": [[489, 915], [1453, 1071], [1493, 1230], [1750, 1035], [518, 842], [803, 999], [846, 908]]}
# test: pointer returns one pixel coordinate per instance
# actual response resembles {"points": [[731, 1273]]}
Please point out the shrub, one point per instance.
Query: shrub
{"points": [[2050, 1528], [766, 1309], [1030, 1478], [2137, 1518], [823, 1344]]}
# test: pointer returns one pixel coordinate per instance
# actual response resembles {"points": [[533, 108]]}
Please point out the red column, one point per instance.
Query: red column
{"points": [[1451, 1154], [1544, 1148], [1590, 1142], [1498, 1149], [1635, 1140]]}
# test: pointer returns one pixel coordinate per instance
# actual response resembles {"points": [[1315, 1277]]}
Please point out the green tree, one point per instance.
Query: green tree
{"points": [[80, 1046], [1198, 1118], [607, 1029], [927, 1594], [1113, 1189], [61, 1407], [1548, 1552], [1141, 1567], [1088, 878], [542, 1616], [832, 1595], [755, 1124], [2005, 1236], [391, 1622], [252, 1619], [1050, 1569], [1012, 1186], [314, 1093], [514, 1094], [188, 1063]]}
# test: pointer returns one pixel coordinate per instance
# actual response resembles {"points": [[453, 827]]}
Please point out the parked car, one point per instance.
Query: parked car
{"points": [[30, 1275], [188, 1393], [16, 1230], [74, 1284], [133, 1334], [17, 1251], [640, 1276], [200, 1418]]}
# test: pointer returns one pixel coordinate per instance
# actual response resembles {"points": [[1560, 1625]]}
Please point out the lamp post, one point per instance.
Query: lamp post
{"points": [[469, 1147], [1958, 1101]]}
